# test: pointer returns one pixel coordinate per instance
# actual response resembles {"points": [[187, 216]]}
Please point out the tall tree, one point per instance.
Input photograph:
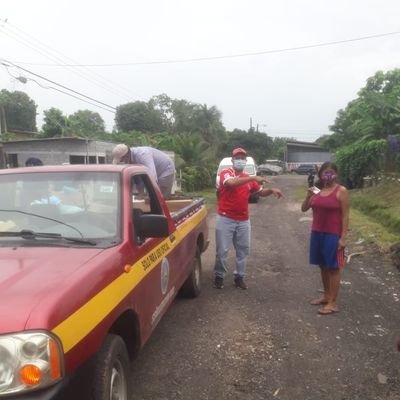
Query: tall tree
{"points": [[54, 123], [375, 113], [182, 115], [163, 104], [18, 111], [258, 145], [278, 148], [138, 116], [86, 123], [208, 123]]}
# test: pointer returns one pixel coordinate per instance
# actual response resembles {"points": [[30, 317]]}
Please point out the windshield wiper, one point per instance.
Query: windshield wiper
{"points": [[28, 234], [44, 217]]}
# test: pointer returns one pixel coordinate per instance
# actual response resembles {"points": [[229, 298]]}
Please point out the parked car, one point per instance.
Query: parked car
{"points": [[303, 169], [269, 169], [250, 169]]}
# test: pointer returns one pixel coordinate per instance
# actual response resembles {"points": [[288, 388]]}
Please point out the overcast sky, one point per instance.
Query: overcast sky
{"points": [[289, 94]]}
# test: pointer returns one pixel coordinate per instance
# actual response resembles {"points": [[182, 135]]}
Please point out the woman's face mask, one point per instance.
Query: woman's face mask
{"points": [[239, 164], [328, 177]]}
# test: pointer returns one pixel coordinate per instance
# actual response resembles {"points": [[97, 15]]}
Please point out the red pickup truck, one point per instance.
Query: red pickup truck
{"points": [[87, 269]]}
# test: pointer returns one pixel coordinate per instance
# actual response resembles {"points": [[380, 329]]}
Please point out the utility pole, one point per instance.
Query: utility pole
{"points": [[251, 124], [3, 122]]}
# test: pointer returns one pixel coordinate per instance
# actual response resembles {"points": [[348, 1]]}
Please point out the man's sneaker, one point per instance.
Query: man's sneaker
{"points": [[239, 283], [218, 282]]}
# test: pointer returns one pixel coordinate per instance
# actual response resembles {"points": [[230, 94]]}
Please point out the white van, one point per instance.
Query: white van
{"points": [[250, 168]]}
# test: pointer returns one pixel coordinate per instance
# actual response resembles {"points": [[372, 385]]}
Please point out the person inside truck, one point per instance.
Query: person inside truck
{"points": [[161, 167], [41, 193]]}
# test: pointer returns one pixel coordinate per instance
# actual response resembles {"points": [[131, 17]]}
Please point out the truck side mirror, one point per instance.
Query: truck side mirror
{"points": [[151, 225]]}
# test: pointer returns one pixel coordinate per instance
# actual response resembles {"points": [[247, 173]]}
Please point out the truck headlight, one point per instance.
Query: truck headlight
{"points": [[29, 360]]}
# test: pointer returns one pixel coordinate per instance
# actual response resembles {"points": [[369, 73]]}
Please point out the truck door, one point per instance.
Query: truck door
{"points": [[157, 254]]}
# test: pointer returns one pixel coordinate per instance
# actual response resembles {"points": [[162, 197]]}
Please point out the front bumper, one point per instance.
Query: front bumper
{"points": [[53, 392]]}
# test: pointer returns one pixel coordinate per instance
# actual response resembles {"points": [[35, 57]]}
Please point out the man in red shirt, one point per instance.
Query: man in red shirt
{"points": [[232, 222]]}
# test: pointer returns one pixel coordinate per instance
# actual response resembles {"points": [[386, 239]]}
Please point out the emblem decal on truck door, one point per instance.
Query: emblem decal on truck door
{"points": [[164, 275]]}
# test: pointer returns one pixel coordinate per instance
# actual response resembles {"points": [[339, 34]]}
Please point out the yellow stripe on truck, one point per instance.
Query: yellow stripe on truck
{"points": [[79, 324]]}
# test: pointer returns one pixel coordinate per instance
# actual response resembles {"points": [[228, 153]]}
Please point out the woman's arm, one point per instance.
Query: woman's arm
{"points": [[306, 205]]}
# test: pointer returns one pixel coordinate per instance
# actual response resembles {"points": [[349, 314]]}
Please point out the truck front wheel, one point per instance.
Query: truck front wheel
{"points": [[111, 371], [192, 286]]}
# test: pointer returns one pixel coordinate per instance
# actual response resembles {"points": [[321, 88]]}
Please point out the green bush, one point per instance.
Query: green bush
{"points": [[359, 160], [197, 178]]}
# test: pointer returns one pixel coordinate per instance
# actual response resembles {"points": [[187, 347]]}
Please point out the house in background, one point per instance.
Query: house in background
{"points": [[57, 151], [305, 153]]}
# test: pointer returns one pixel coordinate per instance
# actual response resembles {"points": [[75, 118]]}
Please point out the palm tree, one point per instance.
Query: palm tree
{"points": [[208, 122], [192, 149]]}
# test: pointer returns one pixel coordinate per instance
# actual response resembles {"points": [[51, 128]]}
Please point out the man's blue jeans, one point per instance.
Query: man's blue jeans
{"points": [[229, 231]]}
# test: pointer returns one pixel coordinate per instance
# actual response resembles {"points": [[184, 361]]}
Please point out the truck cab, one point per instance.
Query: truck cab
{"points": [[88, 269]]}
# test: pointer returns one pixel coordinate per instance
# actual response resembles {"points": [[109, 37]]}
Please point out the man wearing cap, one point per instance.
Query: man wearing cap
{"points": [[161, 167], [232, 221]]}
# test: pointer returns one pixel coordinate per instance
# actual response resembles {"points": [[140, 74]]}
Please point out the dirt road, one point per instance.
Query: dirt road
{"points": [[268, 342]]}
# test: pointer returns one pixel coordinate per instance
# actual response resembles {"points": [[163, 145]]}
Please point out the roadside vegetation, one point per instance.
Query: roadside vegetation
{"points": [[376, 213]]}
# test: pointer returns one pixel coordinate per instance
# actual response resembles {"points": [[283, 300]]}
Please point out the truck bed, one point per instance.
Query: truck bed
{"points": [[179, 209]]}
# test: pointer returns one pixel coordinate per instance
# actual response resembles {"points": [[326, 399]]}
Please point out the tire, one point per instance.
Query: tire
{"points": [[111, 375], [192, 286]]}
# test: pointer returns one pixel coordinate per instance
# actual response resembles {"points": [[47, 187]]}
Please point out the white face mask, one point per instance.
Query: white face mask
{"points": [[239, 164]]}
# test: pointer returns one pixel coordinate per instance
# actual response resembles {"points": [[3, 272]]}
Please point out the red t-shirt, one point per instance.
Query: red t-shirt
{"points": [[233, 202]]}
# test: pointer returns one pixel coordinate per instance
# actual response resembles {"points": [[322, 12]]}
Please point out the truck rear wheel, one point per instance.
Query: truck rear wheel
{"points": [[111, 371], [192, 286]]}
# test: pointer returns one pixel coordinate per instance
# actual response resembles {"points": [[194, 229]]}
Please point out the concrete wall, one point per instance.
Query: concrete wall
{"points": [[58, 151], [305, 156]]}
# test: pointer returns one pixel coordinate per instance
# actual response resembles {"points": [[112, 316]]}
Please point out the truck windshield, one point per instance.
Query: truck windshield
{"points": [[72, 204]]}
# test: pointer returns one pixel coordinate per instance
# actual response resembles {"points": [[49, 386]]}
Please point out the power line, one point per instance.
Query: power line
{"points": [[29, 41], [226, 56], [58, 84], [19, 78], [69, 94]]}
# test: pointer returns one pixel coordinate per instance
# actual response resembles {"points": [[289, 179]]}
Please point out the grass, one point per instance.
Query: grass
{"points": [[372, 231], [380, 203], [376, 213]]}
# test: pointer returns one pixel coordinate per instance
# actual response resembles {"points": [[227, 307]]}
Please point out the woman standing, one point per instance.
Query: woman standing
{"points": [[330, 207]]}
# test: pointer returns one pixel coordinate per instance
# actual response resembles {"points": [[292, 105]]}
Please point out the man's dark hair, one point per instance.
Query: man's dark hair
{"points": [[33, 162]]}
